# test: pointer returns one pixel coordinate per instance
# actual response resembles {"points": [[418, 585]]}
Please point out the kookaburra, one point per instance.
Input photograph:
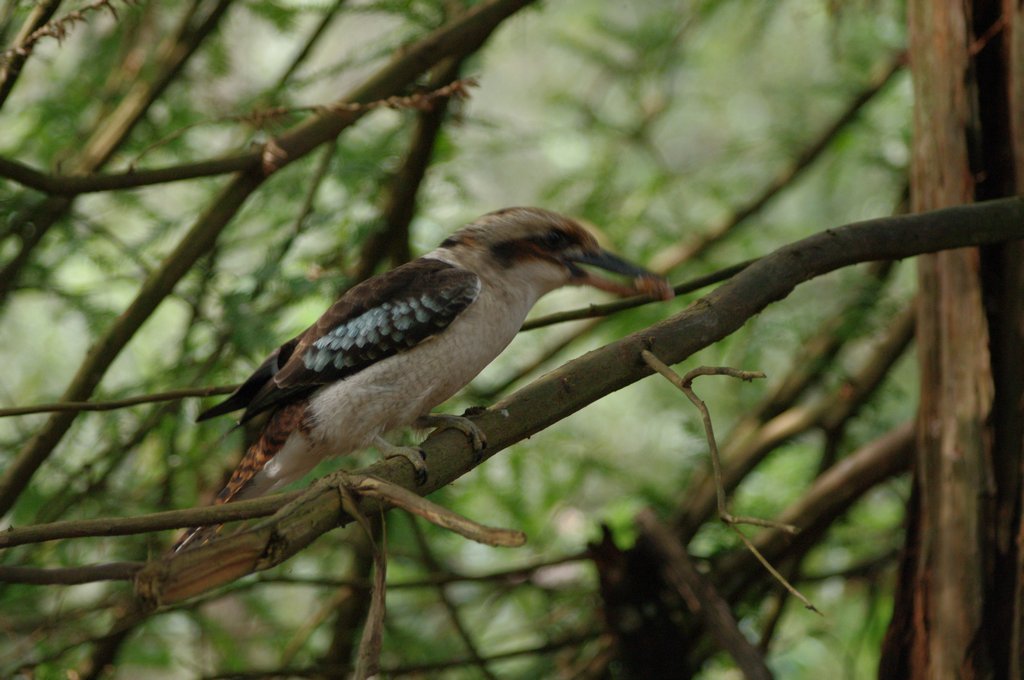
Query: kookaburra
{"points": [[397, 345]]}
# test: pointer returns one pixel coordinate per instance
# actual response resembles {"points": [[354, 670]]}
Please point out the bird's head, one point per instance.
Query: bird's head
{"points": [[547, 250]]}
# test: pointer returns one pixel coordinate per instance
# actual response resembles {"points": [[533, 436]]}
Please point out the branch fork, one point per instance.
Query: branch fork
{"points": [[685, 385]]}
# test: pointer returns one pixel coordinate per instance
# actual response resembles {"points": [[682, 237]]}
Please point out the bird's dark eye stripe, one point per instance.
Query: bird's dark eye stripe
{"points": [[508, 252], [554, 238]]}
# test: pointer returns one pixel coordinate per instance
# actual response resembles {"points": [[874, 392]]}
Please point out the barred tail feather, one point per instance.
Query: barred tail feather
{"points": [[275, 433]]}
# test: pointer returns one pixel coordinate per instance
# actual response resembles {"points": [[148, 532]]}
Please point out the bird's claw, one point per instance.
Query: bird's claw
{"points": [[416, 456], [476, 436]]}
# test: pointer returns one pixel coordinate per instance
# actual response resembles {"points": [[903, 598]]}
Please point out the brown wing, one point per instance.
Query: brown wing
{"points": [[378, 318]]}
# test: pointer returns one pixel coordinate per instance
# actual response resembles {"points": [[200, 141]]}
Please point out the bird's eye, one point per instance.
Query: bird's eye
{"points": [[556, 239]]}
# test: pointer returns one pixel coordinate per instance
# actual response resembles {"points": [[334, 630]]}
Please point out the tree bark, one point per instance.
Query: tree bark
{"points": [[957, 611]]}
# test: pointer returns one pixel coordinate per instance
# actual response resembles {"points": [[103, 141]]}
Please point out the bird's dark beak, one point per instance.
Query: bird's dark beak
{"points": [[643, 281]]}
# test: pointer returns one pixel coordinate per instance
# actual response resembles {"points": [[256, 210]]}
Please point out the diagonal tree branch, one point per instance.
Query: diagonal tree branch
{"points": [[10, 65], [587, 379]]}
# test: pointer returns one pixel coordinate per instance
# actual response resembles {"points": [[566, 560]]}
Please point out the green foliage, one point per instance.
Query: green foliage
{"points": [[654, 121]]}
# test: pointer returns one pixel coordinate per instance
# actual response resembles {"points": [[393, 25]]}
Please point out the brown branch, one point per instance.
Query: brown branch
{"points": [[462, 35], [10, 68], [732, 521], [349, 613], [114, 571], [73, 185], [584, 380], [75, 406], [372, 639], [57, 28], [260, 119], [157, 521], [702, 598]]}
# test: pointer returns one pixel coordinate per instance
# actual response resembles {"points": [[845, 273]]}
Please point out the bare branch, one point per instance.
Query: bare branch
{"points": [[158, 521], [595, 311], [73, 185], [588, 378], [10, 68], [757, 435], [395, 496], [684, 385], [74, 406], [57, 28], [114, 571]]}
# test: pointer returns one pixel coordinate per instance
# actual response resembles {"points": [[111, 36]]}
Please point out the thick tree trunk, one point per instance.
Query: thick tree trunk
{"points": [[957, 610]]}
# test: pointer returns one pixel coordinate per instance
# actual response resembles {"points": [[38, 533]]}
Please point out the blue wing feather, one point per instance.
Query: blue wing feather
{"points": [[378, 318]]}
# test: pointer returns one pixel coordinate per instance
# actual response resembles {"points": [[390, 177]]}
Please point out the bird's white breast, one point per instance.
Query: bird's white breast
{"points": [[395, 391]]}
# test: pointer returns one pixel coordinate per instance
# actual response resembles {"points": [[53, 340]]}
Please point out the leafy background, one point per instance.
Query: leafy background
{"points": [[653, 121]]}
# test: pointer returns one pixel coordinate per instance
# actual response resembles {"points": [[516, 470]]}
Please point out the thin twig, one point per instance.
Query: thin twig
{"points": [[113, 571], [772, 570], [261, 118], [169, 395], [683, 383], [368, 656], [395, 495], [58, 28], [157, 521], [594, 311]]}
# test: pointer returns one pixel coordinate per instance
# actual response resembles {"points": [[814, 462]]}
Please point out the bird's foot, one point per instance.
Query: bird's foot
{"points": [[464, 425], [415, 455]]}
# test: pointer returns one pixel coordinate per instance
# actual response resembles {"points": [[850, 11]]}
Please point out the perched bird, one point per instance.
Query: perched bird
{"points": [[396, 345]]}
